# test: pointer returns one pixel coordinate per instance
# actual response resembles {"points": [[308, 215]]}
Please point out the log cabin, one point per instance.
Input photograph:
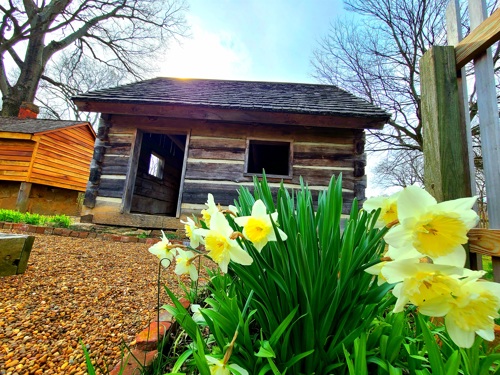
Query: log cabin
{"points": [[163, 144], [44, 164]]}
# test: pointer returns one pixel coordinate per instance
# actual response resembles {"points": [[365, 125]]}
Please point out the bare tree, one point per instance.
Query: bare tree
{"points": [[68, 76], [400, 168], [376, 57], [120, 34]]}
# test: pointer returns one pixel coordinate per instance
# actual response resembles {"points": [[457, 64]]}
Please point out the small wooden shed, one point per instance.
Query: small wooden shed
{"points": [[164, 144], [44, 164]]}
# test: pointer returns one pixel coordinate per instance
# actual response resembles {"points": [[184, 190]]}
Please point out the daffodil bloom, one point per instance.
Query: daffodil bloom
{"points": [[197, 316], [184, 264], [433, 229], [218, 367], [474, 309], [221, 248], [377, 271], [431, 287], [194, 238], [388, 208], [210, 211], [164, 249], [258, 227]]}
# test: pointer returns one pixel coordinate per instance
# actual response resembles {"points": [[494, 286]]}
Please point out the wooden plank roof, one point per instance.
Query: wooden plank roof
{"points": [[36, 126], [293, 98]]}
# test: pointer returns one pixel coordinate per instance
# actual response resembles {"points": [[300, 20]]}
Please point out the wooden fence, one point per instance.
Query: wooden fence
{"points": [[448, 166]]}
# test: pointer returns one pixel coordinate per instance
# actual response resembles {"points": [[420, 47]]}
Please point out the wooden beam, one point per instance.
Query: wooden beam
{"points": [[487, 105], [479, 39], [23, 196], [132, 173], [487, 242], [231, 115], [445, 149]]}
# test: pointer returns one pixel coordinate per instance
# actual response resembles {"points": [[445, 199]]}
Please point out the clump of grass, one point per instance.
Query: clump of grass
{"points": [[60, 221], [11, 216]]}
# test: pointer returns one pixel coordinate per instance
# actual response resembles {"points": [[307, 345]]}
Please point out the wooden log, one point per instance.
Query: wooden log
{"points": [[23, 197], [15, 250], [137, 220], [445, 152]]}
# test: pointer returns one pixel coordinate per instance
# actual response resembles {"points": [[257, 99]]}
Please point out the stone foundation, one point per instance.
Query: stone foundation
{"points": [[44, 200]]}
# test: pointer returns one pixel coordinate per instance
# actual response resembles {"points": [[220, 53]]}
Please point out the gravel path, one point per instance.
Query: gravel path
{"points": [[101, 292]]}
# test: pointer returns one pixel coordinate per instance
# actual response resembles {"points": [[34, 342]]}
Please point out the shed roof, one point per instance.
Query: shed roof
{"points": [[300, 98], [33, 126]]}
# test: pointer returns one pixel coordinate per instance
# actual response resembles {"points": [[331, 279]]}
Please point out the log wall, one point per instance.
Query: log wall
{"points": [[215, 163]]}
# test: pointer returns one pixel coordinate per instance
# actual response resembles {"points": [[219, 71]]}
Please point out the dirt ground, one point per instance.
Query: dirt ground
{"points": [[100, 292]]}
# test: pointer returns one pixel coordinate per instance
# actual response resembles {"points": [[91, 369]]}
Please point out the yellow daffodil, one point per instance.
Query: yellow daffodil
{"points": [[164, 249], [258, 227], [474, 309], [221, 248], [388, 208], [194, 238], [218, 367], [210, 211], [431, 287], [433, 229], [184, 264]]}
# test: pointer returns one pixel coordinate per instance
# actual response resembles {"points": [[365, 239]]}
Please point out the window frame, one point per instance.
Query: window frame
{"points": [[161, 164], [269, 142]]}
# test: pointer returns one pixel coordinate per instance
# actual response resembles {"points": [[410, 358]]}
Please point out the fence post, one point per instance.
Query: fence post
{"points": [[446, 172]]}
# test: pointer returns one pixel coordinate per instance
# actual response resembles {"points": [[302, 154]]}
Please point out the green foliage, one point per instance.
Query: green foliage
{"points": [[308, 297], [60, 221], [11, 216], [409, 343]]}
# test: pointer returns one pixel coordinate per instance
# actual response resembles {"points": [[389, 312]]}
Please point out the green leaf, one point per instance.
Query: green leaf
{"points": [[453, 364], [180, 361], [435, 359], [265, 350]]}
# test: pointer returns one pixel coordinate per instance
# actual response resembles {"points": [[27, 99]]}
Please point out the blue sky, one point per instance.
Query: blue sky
{"points": [[264, 40]]}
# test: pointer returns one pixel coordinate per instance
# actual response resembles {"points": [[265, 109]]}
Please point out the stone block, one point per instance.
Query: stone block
{"points": [[15, 250]]}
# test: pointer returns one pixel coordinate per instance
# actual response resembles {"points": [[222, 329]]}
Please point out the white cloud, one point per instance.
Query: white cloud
{"points": [[207, 55]]}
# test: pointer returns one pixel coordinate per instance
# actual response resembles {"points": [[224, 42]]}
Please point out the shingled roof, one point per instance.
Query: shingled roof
{"points": [[313, 99], [32, 126]]}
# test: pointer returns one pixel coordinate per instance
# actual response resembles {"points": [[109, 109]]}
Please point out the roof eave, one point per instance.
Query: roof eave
{"points": [[207, 113]]}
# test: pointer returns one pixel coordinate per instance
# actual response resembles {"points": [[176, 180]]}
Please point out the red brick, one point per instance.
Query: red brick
{"points": [[20, 226], [130, 365], [48, 230], [1, 224], [141, 240], [128, 239], [92, 235], [184, 302], [8, 226], [116, 237], [40, 230], [32, 228], [83, 234], [148, 338], [107, 237], [152, 241], [74, 233]]}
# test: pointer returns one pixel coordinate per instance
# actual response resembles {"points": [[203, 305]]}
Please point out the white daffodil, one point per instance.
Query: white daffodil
{"points": [[221, 248], [258, 227], [163, 249], [377, 271], [210, 211], [197, 316], [388, 208], [184, 264], [218, 367], [431, 287], [474, 309], [433, 229], [194, 238]]}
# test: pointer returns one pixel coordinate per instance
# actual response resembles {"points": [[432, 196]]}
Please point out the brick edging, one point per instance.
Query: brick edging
{"points": [[146, 344], [40, 229]]}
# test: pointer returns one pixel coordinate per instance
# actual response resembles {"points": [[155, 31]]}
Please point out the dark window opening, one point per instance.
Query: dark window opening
{"points": [[272, 157]]}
